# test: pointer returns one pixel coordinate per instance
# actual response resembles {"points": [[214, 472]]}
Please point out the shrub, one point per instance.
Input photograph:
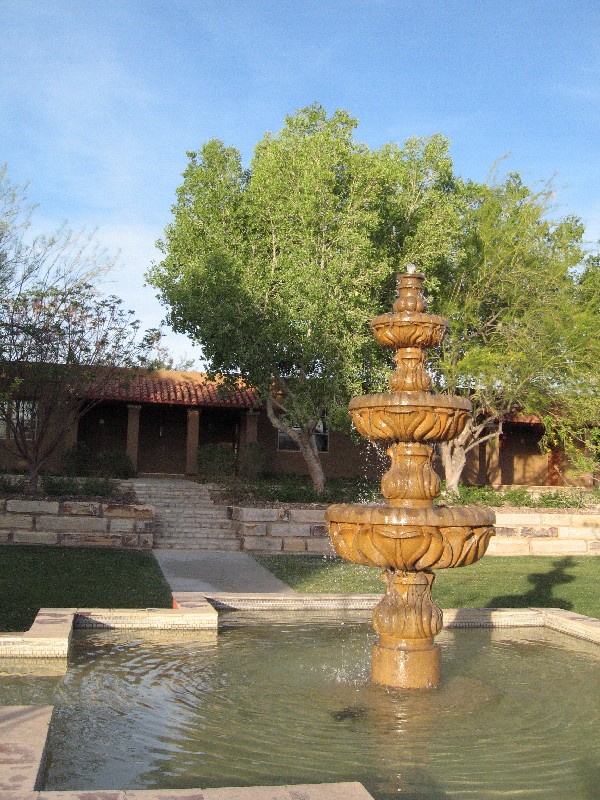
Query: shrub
{"points": [[483, 495], [56, 485], [115, 464], [299, 489], [77, 460], [517, 497], [251, 461], [561, 500], [59, 485], [215, 461], [487, 496], [98, 487], [8, 485]]}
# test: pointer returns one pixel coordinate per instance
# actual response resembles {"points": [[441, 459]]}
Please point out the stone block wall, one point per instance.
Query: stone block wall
{"points": [[546, 533], [522, 532], [83, 523], [282, 530]]}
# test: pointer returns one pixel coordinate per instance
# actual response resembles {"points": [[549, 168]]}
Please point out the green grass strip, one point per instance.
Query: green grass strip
{"points": [[568, 582], [35, 577]]}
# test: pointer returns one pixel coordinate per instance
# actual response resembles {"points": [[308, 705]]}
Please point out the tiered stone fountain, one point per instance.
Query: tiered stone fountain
{"points": [[407, 534]]}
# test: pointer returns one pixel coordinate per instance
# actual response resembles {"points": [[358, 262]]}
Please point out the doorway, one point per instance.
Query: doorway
{"points": [[162, 441]]}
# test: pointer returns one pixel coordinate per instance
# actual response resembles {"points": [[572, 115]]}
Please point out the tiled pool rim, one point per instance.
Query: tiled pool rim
{"points": [[24, 729], [50, 635]]}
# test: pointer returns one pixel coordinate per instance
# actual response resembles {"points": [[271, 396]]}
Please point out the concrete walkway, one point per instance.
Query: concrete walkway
{"points": [[198, 571]]}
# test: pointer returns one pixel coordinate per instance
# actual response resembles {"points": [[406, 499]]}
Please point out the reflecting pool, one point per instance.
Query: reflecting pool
{"points": [[517, 714]]}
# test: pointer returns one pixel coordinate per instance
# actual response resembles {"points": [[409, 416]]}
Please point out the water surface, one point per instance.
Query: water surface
{"points": [[517, 715]]}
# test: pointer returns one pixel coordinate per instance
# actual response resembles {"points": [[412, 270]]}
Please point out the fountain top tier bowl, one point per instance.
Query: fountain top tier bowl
{"points": [[407, 535]]}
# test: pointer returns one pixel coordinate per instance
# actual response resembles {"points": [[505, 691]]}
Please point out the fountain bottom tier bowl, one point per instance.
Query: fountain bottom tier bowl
{"points": [[408, 543]]}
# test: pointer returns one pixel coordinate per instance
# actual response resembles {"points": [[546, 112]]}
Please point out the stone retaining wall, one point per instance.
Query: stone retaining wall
{"points": [[282, 530], [522, 532], [83, 523], [546, 533]]}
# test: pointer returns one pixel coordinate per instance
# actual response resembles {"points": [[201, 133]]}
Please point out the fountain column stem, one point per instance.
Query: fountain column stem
{"points": [[407, 619]]}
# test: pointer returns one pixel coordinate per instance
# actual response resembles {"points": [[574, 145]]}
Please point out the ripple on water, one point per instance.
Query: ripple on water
{"points": [[516, 714]]}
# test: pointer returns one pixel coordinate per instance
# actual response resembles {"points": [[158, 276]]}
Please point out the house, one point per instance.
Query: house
{"points": [[160, 418], [515, 458]]}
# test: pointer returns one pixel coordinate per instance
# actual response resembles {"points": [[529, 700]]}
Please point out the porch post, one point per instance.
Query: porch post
{"points": [[133, 433], [193, 437], [250, 427], [494, 473]]}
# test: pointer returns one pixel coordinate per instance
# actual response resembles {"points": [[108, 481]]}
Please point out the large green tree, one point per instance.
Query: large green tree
{"points": [[276, 270], [525, 330]]}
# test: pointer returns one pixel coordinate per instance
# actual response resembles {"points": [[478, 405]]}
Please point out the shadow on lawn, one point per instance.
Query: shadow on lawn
{"points": [[541, 594]]}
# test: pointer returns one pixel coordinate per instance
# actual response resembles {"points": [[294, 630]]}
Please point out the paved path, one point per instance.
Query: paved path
{"points": [[197, 571]]}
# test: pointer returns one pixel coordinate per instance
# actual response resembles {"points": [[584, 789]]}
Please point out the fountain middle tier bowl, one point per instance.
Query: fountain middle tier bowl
{"points": [[410, 539], [409, 329], [409, 416]]}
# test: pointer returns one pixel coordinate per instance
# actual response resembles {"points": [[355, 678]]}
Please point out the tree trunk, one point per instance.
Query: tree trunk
{"points": [[454, 453], [454, 458], [311, 456], [33, 479], [305, 439]]}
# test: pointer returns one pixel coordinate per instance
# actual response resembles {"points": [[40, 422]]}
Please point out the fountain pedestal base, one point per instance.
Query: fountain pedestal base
{"points": [[406, 620], [406, 667]]}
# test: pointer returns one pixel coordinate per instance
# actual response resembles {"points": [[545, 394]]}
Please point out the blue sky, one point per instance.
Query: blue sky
{"points": [[100, 100]]}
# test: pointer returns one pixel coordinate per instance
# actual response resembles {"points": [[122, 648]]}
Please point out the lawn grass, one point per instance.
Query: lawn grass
{"points": [[35, 577], [568, 582]]}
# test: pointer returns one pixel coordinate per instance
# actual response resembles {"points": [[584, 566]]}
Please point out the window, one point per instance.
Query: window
{"points": [[21, 414], [285, 443], [24, 412]]}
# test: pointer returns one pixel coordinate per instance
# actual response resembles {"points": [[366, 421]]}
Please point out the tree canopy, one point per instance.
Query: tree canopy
{"points": [[524, 338], [276, 271]]}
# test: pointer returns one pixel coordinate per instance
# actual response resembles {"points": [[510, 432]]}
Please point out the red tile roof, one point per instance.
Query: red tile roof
{"points": [[178, 389], [527, 419]]}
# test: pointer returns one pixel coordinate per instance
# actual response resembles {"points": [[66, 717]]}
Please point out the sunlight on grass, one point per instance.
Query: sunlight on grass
{"points": [[495, 582]]}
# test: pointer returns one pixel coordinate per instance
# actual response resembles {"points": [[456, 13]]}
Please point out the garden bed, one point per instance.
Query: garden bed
{"points": [[283, 491]]}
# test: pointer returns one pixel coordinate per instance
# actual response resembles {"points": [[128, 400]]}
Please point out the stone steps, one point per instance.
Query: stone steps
{"points": [[229, 545], [186, 517], [190, 530]]}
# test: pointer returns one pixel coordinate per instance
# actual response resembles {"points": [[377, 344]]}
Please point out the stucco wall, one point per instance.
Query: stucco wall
{"points": [[344, 459], [10, 460]]}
